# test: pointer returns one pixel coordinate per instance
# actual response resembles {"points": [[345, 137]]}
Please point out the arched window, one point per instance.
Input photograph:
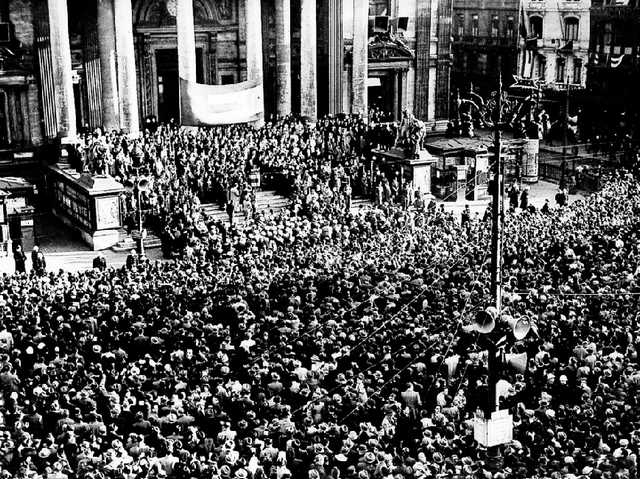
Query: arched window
{"points": [[536, 25], [571, 28]]}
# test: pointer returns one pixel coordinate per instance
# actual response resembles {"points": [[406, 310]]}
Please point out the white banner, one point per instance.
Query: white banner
{"points": [[205, 105]]}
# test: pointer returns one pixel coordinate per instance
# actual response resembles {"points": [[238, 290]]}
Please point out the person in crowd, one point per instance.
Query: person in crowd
{"points": [[524, 199], [132, 259], [20, 259], [514, 195], [100, 262], [38, 262]]}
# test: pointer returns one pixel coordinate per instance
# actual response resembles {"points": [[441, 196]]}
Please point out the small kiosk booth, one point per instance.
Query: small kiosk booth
{"points": [[18, 225], [88, 204], [461, 168]]}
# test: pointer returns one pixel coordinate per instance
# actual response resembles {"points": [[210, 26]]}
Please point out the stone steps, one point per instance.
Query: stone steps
{"points": [[359, 204], [128, 243], [265, 200]]}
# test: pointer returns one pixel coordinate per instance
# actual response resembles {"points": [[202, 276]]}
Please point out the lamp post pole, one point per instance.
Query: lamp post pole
{"points": [[493, 453], [140, 240]]}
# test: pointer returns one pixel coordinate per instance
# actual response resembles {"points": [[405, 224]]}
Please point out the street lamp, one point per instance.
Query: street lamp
{"points": [[496, 427], [136, 186]]}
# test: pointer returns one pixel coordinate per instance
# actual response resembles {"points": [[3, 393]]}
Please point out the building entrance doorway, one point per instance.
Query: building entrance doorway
{"points": [[385, 93], [168, 84]]}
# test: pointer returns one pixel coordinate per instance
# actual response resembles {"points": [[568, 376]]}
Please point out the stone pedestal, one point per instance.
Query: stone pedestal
{"points": [[359, 72], [308, 60], [108, 70], [127, 84], [61, 65], [283, 57], [88, 204]]}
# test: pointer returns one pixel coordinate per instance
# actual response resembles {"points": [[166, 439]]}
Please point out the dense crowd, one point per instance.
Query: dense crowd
{"points": [[189, 167], [317, 342]]}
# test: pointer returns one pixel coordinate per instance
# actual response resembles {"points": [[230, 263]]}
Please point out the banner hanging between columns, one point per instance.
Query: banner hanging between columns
{"points": [[209, 105]]}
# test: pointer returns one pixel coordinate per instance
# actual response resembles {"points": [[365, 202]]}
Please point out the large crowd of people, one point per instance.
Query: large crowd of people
{"points": [[317, 342]]}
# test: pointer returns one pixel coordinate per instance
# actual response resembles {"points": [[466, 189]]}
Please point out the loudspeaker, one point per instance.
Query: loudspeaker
{"points": [[381, 23], [485, 321], [517, 361], [403, 23], [452, 364], [519, 326], [240, 307]]}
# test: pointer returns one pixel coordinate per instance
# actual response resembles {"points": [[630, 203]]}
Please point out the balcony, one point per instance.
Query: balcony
{"points": [[484, 41]]}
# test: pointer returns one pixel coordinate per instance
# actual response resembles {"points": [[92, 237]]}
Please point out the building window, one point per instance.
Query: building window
{"points": [[536, 26], [560, 70], [542, 68], [571, 28], [577, 71], [510, 27], [495, 26], [482, 63], [227, 79], [460, 26], [378, 7], [475, 25], [607, 36]]}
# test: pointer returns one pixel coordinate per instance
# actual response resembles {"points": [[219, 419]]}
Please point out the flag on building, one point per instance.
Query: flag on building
{"points": [[616, 60], [206, 105]]}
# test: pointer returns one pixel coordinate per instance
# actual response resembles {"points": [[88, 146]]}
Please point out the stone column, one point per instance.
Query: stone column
{"points": [[253, 18], [186, 40], [336, 56], [125, 54], [359, 100], [61, 63], [283, 57], [108, 70], [308, 60]]}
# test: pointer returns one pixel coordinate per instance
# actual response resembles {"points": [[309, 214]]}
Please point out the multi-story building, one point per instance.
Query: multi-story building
{"points": [[614, 63], [485, 34], [555, 43], [540, 39], [69, 64]]}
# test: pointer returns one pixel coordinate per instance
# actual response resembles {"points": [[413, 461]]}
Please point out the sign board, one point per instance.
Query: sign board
{"points": [[13, 204], [530, 161], [462, 172], [495, 431]]}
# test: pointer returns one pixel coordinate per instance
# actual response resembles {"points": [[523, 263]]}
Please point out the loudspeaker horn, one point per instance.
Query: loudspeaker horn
{"points": [[485, 321], [239, 307], [519, 326], [452, 364], [517, 361]]}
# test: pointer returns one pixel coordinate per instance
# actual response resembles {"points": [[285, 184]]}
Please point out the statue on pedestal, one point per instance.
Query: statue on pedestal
{"points": [[411, 132]]}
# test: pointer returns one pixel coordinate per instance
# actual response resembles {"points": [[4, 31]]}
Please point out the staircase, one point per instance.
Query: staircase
{"points": [[361, 204], [127, 243], [265, 200]]}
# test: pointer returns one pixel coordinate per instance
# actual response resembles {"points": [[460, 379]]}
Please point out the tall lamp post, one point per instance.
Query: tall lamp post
{"points": [[136, 186], [496, 426]]}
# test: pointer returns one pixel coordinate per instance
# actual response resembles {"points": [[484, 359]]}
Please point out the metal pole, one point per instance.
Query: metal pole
{"points": [[493, 453], [138, 200], [497, 210], [563, 166]]}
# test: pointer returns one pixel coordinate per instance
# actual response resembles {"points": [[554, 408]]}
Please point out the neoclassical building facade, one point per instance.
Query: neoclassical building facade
{"points": [[69, 64]]}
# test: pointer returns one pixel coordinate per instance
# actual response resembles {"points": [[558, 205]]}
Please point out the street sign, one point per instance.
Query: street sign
{"points": [[495, 431]]}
